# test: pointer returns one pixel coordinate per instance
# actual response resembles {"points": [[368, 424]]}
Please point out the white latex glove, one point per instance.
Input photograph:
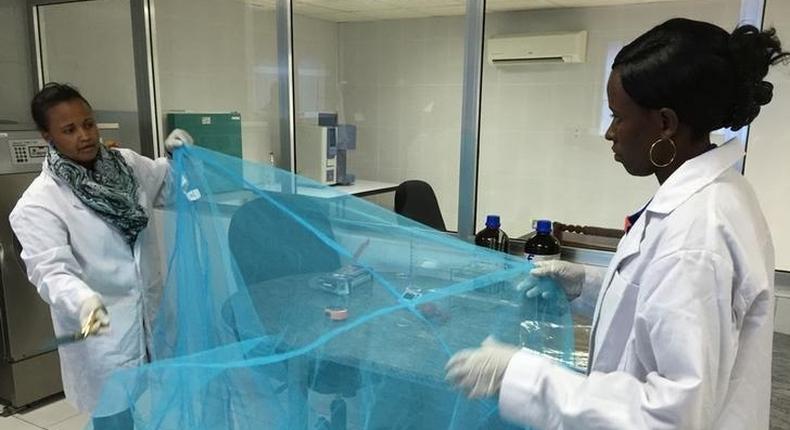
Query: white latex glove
{"points": [[569, 276], [479, 371], [93, 317], [176, 139]]}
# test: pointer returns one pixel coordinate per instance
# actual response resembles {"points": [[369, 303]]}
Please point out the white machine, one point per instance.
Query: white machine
{"points": [[322, 149], [316, 152], [29, 366]]}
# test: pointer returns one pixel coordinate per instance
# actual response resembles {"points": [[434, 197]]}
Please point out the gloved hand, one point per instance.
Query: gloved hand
{"points": [[479, 371], [93, 317], [569, 276], [176, 139]]}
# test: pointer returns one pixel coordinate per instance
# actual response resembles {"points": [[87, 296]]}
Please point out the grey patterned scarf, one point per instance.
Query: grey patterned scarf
{"points": [[110, 189]]}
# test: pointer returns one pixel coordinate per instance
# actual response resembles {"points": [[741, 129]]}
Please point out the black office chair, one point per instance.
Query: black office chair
{"points": [[299, 250], [416, 200]]}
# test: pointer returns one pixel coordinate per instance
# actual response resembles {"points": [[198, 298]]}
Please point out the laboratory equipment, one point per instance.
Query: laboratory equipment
{"points": [[343, 281], [270, 174], [316, 152], [29, 365], [542, 245], [492, 236], [346, 141], [322, 147]]}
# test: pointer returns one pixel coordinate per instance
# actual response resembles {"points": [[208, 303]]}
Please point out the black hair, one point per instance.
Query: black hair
{"points": [[709, 77], [52, 94]]}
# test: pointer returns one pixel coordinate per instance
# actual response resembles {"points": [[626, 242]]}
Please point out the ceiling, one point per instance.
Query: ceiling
{"points": [[371, 10]]}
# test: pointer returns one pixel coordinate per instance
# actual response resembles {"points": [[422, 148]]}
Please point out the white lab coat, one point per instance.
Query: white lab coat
{"points": [[683, 326], [71, 254]]}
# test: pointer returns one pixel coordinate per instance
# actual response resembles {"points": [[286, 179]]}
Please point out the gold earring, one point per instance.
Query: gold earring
{"points": [[674, 151]]}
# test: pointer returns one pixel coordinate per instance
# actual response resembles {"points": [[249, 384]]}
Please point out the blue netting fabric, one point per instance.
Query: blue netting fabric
{"points": [[292, 305]]}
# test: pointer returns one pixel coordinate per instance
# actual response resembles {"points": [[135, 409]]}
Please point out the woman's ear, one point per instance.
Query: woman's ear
{"points": [[46, 136], [669, 122]]}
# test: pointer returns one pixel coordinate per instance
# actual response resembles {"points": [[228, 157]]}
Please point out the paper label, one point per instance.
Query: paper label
{"points": [[193, 195], [533, 257]]}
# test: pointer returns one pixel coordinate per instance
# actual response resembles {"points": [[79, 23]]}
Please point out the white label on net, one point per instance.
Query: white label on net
{"points": [[533, 257], [193, 194]]}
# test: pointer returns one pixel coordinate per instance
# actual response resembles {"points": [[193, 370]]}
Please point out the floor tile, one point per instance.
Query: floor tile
{"points": [[48, 414], [77, 422], [11, 423]]}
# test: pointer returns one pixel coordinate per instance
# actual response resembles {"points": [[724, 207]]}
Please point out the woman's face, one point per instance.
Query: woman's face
{"points": [[72, 129], [632, 130]]}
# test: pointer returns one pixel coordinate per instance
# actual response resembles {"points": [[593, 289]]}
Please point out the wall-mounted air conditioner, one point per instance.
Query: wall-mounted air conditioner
{"points": [[538, 48]]}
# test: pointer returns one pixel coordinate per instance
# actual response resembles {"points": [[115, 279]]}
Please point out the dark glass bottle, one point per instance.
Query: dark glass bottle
{"points": [[492, 236], [338, 414], [542, 245]]}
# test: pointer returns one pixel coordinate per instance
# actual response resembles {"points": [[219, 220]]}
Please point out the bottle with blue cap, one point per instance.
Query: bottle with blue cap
{"points": [[542, 245], [492, 236]]}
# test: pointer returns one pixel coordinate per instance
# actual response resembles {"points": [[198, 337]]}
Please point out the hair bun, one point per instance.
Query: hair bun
{"points": [[763, 92], [752, 52]]}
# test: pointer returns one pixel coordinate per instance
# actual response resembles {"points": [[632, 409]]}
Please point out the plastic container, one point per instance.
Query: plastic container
{"points": [[542, 245], [492, 236], [270, 172]]}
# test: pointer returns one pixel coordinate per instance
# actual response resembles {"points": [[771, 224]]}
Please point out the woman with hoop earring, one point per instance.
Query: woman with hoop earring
{"points": [[683, 324]]}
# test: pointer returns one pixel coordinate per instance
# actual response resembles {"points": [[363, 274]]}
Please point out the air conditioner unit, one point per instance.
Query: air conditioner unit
{"points": [[538, 48]]}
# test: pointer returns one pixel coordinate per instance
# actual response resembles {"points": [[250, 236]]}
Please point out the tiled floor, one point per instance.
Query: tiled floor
{"points": [[59, 415]]}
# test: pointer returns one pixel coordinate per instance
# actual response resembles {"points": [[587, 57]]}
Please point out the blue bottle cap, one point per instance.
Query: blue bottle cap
{"points": [[543, 226], [492, 221]]}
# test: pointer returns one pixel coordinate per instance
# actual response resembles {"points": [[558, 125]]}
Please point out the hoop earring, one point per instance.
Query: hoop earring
{"points": [[674, 151]]}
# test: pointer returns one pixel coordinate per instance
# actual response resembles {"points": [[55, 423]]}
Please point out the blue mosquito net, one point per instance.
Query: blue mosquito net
{"points": [[292, 305]]}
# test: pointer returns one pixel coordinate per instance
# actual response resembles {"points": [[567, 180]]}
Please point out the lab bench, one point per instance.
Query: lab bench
{"points": [[406, 345]]}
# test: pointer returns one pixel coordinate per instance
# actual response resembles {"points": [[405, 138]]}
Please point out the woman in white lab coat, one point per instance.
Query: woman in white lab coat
{"points": [[81, 224], [683, 323]]}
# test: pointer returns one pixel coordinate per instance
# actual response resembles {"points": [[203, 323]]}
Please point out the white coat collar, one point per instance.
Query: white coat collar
{"points": [[687, 180], [46, 169], [693, 176]]}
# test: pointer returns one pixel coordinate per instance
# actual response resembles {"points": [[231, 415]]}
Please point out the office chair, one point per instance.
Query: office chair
{"points": [[416, 200], [299, 251]]}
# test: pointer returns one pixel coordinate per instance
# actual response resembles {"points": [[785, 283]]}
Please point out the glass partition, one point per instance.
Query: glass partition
{"points": [[217, 73], [542, 150], [394, 71], [16, 74], [89, 44]]}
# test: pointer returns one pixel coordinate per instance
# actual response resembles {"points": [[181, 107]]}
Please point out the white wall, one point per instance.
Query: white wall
{"points": [[768, 156], [16, 71]]}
